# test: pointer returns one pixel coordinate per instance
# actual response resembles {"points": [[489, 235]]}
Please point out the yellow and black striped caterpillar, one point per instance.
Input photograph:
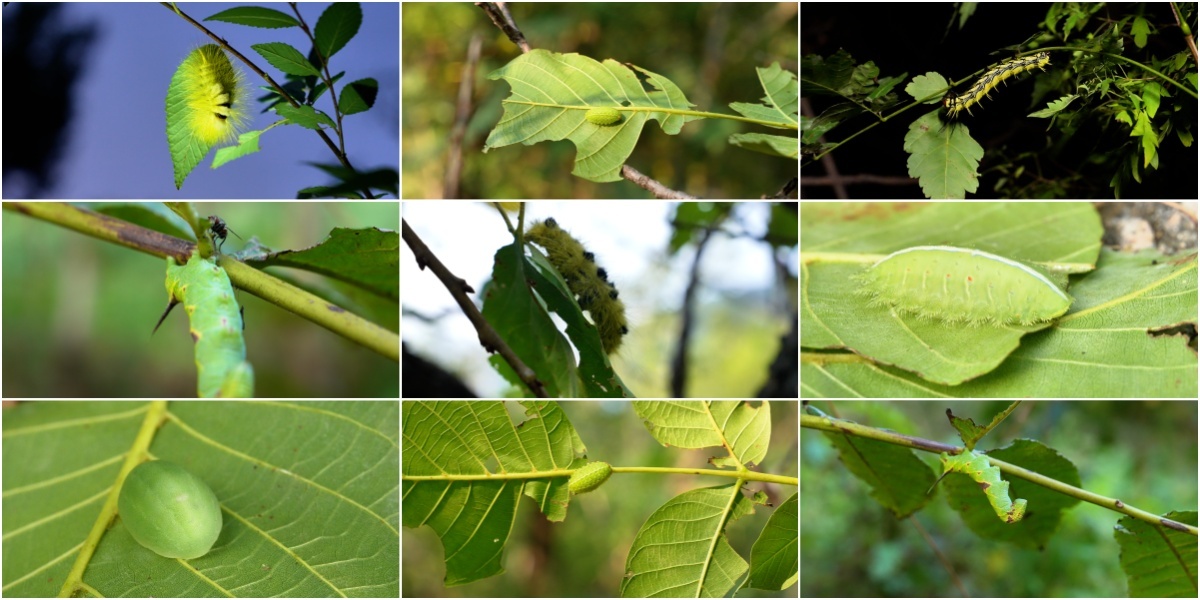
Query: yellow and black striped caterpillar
{"points": [[985, 84]]}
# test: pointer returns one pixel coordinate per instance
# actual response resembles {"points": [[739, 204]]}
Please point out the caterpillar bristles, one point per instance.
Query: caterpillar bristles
{"points": [[588, 282]]}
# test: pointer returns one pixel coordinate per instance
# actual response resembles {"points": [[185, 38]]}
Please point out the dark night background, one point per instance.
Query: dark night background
{"points": [[918, 38]]}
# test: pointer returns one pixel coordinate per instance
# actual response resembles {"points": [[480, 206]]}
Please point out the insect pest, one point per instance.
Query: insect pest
{"points": [[588, 282], [603, 116], [962, 285], [987, 475], [986, 83], [220, 230], [589, 477], [216, 326], [169, 510]]}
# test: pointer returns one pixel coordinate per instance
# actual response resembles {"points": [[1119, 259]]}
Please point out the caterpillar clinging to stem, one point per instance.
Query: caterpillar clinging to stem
{"points": [[986, 83], [587, 281], [978, 467]]}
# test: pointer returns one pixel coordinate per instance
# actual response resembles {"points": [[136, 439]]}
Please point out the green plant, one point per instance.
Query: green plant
{"points": [[682, 550], [872, 473], [565, 90], [207, 101]]}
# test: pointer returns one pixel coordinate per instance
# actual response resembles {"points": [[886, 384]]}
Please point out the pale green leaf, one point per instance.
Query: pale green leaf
{"points": [[744, 430], [552, 92], [775, 557]]}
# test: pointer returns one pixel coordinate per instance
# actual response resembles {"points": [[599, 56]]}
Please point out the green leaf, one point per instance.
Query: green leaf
{"points": [[551, 94], [781, 102], [773, 145], [368, 258], [1159, 562], [774, 559], [358, 96], [308, 492], [247, 145], [286, 58], [337, 26], [697, 424], [682, 551], [474, 518], [305, 116], [255, 16]]}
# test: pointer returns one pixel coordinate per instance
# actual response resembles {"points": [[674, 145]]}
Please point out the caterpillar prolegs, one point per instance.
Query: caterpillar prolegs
{"points": [[983, 87]]}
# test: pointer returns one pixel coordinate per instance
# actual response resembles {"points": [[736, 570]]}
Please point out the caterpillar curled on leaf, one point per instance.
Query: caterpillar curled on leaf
{"points": [[962, 285], [603, 116], [588, 282], [989, 80], [589, 477]]}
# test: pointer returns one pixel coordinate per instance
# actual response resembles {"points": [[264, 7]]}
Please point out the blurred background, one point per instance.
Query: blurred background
{"points": [[584, 556], [1143, 452], [709, 50], [85, 116], [79, 312], [744, 297]]}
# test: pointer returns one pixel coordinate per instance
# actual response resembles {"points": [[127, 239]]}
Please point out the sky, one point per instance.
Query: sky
{"points": [[117, 146]]}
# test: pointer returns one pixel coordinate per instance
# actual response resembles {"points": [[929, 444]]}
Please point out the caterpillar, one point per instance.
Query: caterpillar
{"points": [[206, 105], [216, 325], [961, 285], [983, 87], [596, 294], [603, 116], [589, 477], [169, 510], [978, 467]]}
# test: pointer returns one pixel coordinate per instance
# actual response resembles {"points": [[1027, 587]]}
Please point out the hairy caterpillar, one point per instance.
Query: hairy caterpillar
{"points": [[961, 285], [206, 105], [589, 477], [587, 281], [989, 80], [603, 116], [978, 467], [170, 510], [216, 326]]}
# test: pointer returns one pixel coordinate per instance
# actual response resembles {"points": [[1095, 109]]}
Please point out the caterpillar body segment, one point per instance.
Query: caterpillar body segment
{"points": [[989, 80]]}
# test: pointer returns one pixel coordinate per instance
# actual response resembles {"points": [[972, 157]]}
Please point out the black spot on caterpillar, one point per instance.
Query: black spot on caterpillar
{"points": [[589, 477], [586, 281], [983, 87]]}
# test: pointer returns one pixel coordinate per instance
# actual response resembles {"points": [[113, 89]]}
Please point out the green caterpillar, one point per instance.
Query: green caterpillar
{"points": [[978, 467], [589, 477], [602, 116], [216, 327], [169, 510]]}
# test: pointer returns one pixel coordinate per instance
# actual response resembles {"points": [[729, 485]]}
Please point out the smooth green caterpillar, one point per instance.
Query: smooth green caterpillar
{"points": [[961, 285], [602, 116], [169, 510], [216, 326], [978, 467], [587, 281], [589, 477]]}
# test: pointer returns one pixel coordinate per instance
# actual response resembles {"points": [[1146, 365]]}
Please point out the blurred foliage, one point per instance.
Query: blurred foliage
{"points": [[78, 313], [709, 50], [1143, 452]]}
